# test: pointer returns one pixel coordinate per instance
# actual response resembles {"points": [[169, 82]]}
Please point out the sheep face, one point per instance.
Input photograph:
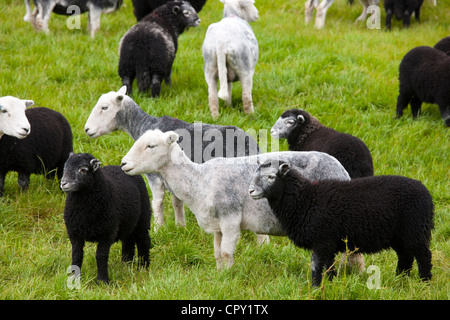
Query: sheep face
{"points": [[266, 182], [245, 9], [286, 124], [13, 121], [187, 14], [102, 119], [78, 172], [149, 153]]}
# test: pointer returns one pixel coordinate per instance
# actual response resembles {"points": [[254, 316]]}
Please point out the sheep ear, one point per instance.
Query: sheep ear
{"points": [[171, 137], [95, 164], [28, 103], [119, 98], [176, 9], [300, 118], [122, 90], [283, 169]]}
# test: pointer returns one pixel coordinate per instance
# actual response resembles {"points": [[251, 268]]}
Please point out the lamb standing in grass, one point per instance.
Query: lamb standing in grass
{"points": [[230, 51], [372, 214], [217, 191], [148, 49], [201, 142], [424, 76], [105, 205], [144, 7], [39, 146], [305, 133]]}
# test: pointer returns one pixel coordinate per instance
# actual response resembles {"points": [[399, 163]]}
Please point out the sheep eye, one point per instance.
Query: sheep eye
{"points": [[83, 170], [186, 13], [151, 146], [271, 177], [289, 122], [105, 108]]}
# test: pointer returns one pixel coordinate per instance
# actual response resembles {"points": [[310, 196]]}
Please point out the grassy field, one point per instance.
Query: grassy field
{"points": [[345, 74]]}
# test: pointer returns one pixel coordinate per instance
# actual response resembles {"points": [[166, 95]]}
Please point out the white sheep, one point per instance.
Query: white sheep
{"points": [[230, 52], [217, 191], [13, 121]]}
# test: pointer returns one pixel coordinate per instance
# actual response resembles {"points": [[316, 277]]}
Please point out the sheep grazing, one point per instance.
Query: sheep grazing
{"points": [[201, 142], [443, 45], [144, 7], [105, 205], [40, 17], [148, 49], [230, 52], [305, 133], [217, 191], [43, 151], [424, 77], [323, 6], [370, 214], [402, 10]]}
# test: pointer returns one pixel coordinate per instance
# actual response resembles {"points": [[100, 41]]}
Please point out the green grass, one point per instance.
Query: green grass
{"points": [[345, 75]]}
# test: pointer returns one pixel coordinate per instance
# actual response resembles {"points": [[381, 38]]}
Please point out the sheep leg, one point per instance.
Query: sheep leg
{"points": [[156, 184], [77, 252], [102, 256], [402, 103], [217, 249], [178, 207], [156, 86], [143, 243], [320, 260], [94, 19], [389, 13], [230, 236], [2, 183], [23, 181], [247, 83], [310, 5], [406, 18], [40, 23], [322, 13], [27, 17], [128, 249], [415, 106], [211, 81], [128, 82], [424, 264], [405, 262]]}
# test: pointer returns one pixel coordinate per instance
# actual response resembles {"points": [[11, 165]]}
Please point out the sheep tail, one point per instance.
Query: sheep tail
{"points": [[223, 79]]}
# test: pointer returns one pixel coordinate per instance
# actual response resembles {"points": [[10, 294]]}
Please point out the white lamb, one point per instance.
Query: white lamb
{"points": [[230, 51], [216, 191], [13, 121]]}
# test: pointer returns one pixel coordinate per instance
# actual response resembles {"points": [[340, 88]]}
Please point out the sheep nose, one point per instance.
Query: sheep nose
{"points": [[86, 130], [26, 129], [123, 163]]}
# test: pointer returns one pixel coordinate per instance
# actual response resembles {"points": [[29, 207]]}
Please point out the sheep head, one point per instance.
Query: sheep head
{"points": [[245, 9], [13, 120], [102, 119], [289, 121], [79, 172], [267, 178], [150, 152]]}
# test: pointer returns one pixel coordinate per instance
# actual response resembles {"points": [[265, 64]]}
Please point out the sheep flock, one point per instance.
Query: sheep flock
{"points": [[324, 194]]}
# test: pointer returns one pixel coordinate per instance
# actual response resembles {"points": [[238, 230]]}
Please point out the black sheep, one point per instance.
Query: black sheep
{"points": [[43, 151], [402, 9], [305, 133], [371, 214], [144, 7], [424, 76], [443, 45], [148, 49], [105, 205]]}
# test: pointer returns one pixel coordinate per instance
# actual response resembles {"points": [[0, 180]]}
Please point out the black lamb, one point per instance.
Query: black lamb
{"points": [[402, 9], [424, 76], [443, 45], [43, 151], [105, 205], [144, 7], [305, 133], [370, 214], [148, 49]]}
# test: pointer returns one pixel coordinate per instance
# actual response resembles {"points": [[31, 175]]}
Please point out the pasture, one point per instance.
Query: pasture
{"points": [[345, 74]]}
